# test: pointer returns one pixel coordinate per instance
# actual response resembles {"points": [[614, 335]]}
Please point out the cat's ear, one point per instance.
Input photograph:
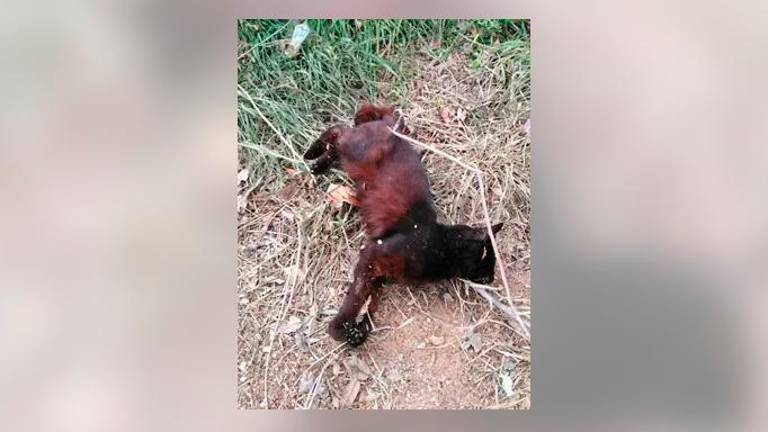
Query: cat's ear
{"points": [[368, 113], [481, 231]]}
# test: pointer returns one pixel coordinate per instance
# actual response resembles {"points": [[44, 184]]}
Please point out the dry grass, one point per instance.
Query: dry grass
{"points": [[297, 252]]}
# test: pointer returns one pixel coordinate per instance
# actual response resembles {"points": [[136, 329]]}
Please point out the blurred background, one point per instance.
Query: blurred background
{"points": [[117, 235]]}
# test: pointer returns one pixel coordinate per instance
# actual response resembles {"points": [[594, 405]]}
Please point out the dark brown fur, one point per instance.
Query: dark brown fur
{"points": [[405, 243]]}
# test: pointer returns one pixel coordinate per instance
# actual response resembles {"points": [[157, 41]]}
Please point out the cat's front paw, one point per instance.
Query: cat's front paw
{"points": [[352, 332], [357, 332]]}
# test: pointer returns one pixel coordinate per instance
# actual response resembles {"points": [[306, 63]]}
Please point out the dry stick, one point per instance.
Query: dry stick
{"points": [[277, 132], [495, 302], [286, 304], [326, 355], [478, 174]]}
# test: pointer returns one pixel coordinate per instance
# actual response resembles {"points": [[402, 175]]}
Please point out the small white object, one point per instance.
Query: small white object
{"points": [[415, 226], [379, 241], [362, 247], [507, 384], [300, 32]]}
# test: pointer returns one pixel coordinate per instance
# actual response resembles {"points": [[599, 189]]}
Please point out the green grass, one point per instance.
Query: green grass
{"points": [[345, 61]]}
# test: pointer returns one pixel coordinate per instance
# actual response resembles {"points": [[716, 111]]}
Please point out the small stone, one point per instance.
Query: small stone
{"points": [[379, 241], [362, 247], [415, 226]]}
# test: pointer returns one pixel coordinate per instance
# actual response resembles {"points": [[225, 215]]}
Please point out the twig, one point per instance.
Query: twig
{"points": [[326, 355], [507, 310], [478, 174]]}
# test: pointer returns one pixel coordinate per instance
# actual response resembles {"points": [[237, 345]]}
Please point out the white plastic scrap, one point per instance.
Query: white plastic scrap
{"points": [[300, 33]]}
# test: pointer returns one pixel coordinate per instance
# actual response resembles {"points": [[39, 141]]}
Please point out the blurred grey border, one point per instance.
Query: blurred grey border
{"points": [[117, 233]]}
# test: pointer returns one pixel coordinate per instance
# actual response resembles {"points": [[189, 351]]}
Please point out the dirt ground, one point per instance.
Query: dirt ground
{"points": [[416, 357], [435, 346]]}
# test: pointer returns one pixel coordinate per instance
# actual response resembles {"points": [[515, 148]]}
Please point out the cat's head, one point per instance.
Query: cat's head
{"points": [[472, 248]]}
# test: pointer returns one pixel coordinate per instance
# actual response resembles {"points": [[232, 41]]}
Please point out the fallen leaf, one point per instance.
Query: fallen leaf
{"points": [[527, 127], [473, 341], [445, 114], [305, 383], [341, 194], [506, 384], [287, 214], [288, 191], [321, 390], [291, 272], [300, 340], [274, 280], [358, 369], [508, 365], [350, 393], [291, 325], [242, 175], [461, 114], [363, 367], [242, 203], [394, 375]]}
